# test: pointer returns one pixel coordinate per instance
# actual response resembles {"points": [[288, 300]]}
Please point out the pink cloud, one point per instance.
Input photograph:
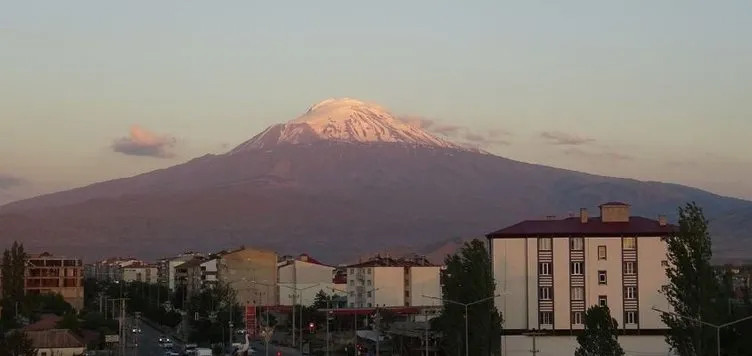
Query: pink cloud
{"points": [[141, 142]]}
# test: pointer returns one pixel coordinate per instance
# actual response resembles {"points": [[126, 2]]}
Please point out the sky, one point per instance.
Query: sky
{"points": [[653, 90]]}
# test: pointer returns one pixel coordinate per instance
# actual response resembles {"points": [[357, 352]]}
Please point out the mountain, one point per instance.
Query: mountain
{"points": [[343, 180]]}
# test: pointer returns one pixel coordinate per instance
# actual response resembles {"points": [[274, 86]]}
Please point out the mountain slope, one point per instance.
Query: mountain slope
{"points": [[333, 198]]}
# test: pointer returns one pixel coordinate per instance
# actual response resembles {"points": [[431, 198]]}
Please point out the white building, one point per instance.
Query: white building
{"points": [[308, 276], [389, 282], [167, 266], [551, 271]]}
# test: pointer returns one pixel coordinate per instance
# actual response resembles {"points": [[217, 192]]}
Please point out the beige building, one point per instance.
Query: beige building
{"points": [[47, 274], [393, 282], [252, 273], [308, 276], [167, 275], [552, 270], [140, 273], [197, 274]]}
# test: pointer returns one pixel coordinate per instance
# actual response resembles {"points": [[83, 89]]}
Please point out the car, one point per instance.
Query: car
{"points": [[163, 339], [136, 330]]}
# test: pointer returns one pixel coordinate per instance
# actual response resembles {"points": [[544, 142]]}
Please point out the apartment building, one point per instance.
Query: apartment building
{"points": [[393, 282], [307, 275], [47, 274], [252, 273], [551, 271], [110, 269], [197, 274], [140, 272], [166, 268]]}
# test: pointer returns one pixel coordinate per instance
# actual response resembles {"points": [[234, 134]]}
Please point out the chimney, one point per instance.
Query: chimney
{"points": [[662, 220], [583, 216]]}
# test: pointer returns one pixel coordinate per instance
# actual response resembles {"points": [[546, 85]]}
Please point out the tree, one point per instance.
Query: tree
{"points": [[215, 307], [16, 343], [600, 335], [468, 278], [70, 321], [321, 300], [693, 289], [12, 270]]}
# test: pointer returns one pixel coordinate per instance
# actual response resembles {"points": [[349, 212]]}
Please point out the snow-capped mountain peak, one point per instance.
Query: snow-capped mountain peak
{"points": [[344, 120]]}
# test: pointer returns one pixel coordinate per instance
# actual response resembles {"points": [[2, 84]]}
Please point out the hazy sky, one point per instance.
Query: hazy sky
{"points": [[658, 90]]}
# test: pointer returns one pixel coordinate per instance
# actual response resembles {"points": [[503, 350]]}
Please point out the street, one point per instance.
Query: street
{"points": [[147, 341], [283, 351]]}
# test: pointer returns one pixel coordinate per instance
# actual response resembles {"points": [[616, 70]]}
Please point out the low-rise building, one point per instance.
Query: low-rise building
{"points": [[393, 282], [301, 278], [48, 274], [550, 271], [56, 342]]}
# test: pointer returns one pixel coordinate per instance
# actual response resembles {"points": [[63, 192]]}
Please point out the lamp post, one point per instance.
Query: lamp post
{"points": [[466, 305], [717, 327]]}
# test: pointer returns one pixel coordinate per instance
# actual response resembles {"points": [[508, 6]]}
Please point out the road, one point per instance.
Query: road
{"points": [[147, 341], [284, 351]]}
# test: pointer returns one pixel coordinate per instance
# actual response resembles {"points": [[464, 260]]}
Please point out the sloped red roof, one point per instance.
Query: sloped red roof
{"points": [[637, 226], [46, 322], [54, 339]]}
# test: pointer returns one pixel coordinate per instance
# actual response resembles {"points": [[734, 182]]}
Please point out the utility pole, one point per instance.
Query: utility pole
{"points": [[121, 322], [534, 334], [377, 322]]}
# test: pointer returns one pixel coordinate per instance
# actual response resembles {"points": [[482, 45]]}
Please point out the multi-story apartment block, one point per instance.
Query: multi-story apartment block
{"points": [[197, 274], [252, 273], [110, 269], [140, 272], [307, 275], [46, 273], [550, 271], [166, 268], [390, 282]]}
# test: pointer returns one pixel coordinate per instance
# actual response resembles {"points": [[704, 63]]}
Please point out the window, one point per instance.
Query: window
{"points": [[577, 318], [631, 317], [368, 282], [602, 300], [630, 292], [352, 282], [352, 305], [546, 318], [602, 278], [629, 243], [370, 305], [576, 268], [352, 294], [602, 252], [545, 293], [544, 268], [368, 294], [664, 263], [352, 270], [578, 293], [544, 244], [368, 271], [629, 267], [407, 294], [576, 243]]}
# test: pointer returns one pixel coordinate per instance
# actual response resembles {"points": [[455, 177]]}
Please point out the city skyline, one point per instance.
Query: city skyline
{"points": [[649, 93]]}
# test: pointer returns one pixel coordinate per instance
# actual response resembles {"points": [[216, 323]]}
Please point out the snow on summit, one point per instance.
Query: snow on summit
{"points": [[344, 120]]}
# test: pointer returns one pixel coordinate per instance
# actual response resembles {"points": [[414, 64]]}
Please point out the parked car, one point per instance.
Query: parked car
{"points": [[136, 330]]}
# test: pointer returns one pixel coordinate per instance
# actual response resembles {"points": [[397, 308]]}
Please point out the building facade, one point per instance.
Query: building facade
{"points": [[166, 268], [110, 269], [252, 273], [48, 274], [393, 282], [308, 276], [550, 271], [140, 273]]}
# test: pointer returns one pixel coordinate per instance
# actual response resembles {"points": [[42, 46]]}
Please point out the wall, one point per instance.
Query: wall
{"points": [[424, 281], [302, 274], [390, 282], [566, 345], [510, 270], [650, 252], [243, 267]]}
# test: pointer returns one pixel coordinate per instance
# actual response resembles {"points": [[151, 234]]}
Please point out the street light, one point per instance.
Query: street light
{"points": [[467, 341], [717, 327]]}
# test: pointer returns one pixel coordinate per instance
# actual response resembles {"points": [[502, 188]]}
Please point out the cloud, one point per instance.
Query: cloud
{"points": [[141, 142], [564, 139], [9, 181], [610, 155], [462, 134]]}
